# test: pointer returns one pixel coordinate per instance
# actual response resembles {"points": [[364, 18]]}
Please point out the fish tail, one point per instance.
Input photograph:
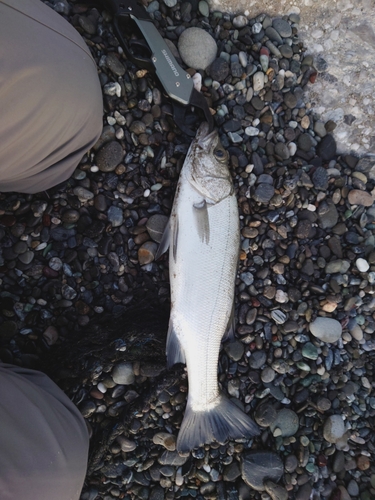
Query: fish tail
{"points": [[222, 422]]}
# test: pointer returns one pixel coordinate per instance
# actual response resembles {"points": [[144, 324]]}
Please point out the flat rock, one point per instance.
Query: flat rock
{"points": [[256, 467], [326, 329], [197, 48]]}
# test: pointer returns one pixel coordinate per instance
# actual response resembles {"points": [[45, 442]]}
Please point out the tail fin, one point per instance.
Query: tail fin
{"points": [[224, 421]]}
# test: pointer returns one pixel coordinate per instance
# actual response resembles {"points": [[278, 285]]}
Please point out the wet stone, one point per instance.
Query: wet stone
{"points": [[256, 467]]}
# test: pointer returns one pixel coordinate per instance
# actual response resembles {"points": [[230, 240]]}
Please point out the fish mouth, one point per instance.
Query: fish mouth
{"points": [[204, 138]]}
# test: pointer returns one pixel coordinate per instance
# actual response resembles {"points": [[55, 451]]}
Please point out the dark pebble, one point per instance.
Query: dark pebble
{"points": [[320, 178], [264, 193], [109, 156], [219, 69], [326, 148]]}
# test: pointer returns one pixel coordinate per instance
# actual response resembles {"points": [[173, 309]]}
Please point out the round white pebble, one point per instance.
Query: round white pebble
{"points": [[326, 329], [94, 168], [334, 428], [362, 265]]}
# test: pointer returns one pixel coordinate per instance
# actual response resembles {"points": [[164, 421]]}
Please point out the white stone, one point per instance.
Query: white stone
{"points": [[281, 297], [197, 81], [362, 265], [258, 81], [251, 131], [123, 373], [292, 146], [326, 329], [239, 21], [334, 428]]}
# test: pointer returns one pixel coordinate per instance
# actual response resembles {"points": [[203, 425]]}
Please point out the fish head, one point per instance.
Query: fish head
{"points": [[206, 166]]}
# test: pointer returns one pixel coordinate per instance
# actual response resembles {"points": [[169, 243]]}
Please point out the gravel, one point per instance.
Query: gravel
{"points": [[83, 254]]}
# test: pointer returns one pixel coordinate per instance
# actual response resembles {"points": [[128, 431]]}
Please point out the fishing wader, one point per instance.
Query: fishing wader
{"points": [[50, 97], [43, 438]]}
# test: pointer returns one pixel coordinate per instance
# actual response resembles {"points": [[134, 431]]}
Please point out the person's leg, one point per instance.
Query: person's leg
{"points": [[43, 438], [50, 97]]}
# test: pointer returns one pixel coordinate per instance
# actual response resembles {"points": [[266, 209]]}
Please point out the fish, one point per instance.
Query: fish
{"points": [[203, 237]]}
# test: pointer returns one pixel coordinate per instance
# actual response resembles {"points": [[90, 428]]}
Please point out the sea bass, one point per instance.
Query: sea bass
{"points": [[203, 236]]}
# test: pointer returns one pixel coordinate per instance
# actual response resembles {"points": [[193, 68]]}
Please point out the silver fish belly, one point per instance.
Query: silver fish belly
{"points": [[203, 238]]}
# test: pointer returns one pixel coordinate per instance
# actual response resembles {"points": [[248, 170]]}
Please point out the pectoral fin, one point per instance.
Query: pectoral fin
{"points": [[165, 241], [202, 221], [170, 233]]}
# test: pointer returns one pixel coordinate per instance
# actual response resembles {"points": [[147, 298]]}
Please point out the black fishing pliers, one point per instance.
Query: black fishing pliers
{"points": [[176, 82]]}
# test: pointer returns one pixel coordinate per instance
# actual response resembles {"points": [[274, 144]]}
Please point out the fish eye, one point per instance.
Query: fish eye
{"points": [[220, 154]]}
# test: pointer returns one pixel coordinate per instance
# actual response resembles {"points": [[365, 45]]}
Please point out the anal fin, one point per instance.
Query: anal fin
{"points": [[175, 353], [231, 327]]}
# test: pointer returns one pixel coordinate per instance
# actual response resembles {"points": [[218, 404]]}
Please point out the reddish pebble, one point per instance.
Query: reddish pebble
{"points": [[313, 77], [49, 273], [7, 220], [363, 462], [95, 393], [322, 461], [255, 302], [264, 51], [359, 197], [46, 220]]}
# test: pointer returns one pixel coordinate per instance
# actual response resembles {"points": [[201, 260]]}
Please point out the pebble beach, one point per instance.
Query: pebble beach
{"points": [[82, 255]]}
